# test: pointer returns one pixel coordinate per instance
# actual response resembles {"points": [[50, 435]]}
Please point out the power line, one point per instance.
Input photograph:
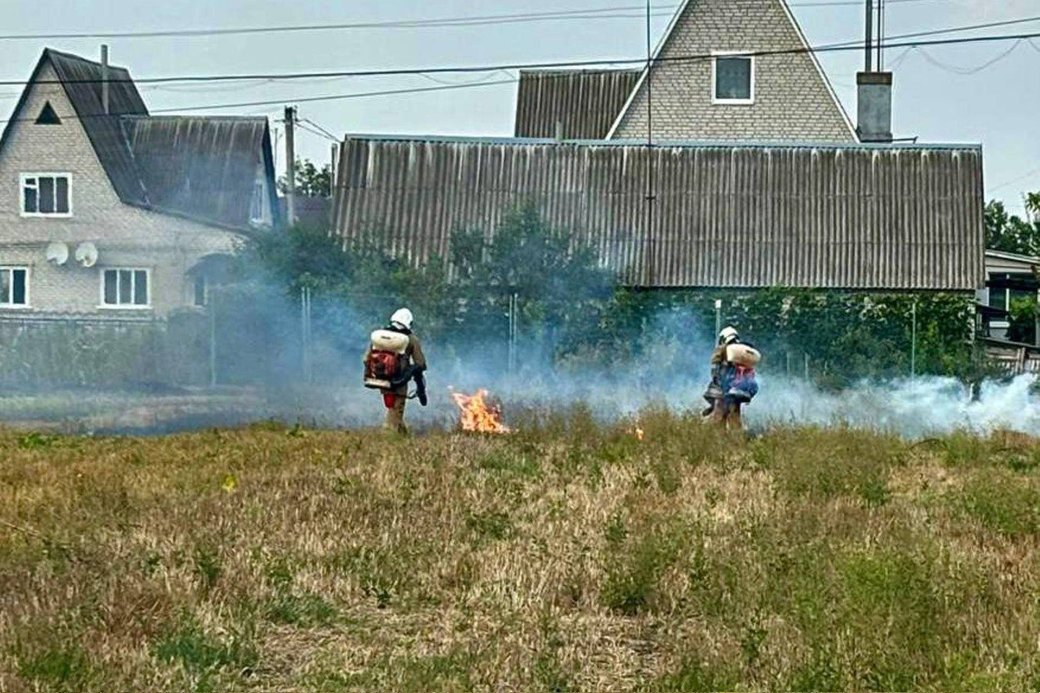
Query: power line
{"points": [[485, 20], [957, 70], [319, 130], [469, 85], [1028, 174], [891, 42], [440, 22], [339, 97]]}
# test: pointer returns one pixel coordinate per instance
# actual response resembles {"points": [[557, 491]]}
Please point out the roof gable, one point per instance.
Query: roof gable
{"points": [[81, 80], [198, 167], [796, 99]]}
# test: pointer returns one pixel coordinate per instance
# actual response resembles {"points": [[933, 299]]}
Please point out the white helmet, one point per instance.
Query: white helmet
{"points": [[728, 335], [402, 318]]}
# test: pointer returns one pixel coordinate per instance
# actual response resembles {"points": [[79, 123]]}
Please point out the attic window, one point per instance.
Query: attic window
{"points": [[48, 116], [732, 79]]}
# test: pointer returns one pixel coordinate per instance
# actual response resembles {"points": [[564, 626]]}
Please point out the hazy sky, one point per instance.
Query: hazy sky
{"points": [[941, 94]]}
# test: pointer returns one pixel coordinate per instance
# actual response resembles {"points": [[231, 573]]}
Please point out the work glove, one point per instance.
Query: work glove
{"points": [[420, 389]]}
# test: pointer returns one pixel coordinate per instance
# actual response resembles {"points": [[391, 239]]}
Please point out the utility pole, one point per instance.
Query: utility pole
{"points": [[334, 161], [290, 165], [868, 45], [648, 244]]}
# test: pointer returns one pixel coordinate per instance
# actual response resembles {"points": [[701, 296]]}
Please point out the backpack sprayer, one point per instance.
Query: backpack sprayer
{"points": [[387, 368], [741, 384], [736, 380]]}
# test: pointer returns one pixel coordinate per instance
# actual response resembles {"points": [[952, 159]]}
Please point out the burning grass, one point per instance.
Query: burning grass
{"points": [[567, 556]]}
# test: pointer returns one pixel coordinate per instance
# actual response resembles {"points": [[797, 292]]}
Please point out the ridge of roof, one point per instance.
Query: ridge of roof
{"points": [[670, 144], [578, 71], [79, 58], [207, 118]]}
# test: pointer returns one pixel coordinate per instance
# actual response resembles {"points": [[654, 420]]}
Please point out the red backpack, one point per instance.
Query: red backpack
{"points": [[383, 365], [387, 359]]}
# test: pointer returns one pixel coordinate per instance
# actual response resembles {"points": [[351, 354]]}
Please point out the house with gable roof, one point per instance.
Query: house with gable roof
{"points": [[724, 70], [753, 175], [110, 213]]}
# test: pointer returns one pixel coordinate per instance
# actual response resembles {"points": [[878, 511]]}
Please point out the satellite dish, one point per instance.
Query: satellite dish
{"points": [[87, 254], [57, 253]]}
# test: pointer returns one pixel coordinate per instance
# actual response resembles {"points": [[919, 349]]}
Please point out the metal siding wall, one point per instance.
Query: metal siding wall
{"points": [[742, 216]]}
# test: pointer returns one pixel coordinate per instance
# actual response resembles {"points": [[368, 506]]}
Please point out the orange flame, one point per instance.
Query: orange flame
{"points": [[477, 415]]}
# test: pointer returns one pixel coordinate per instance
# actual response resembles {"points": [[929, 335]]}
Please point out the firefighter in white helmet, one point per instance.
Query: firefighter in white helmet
{"points": [[714, 393], [732, 383], [394, 358]]}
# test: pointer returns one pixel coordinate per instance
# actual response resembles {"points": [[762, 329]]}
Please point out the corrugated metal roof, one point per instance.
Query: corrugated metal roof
{"points": [[584, 102], [201, 167], [81, 79], [745, 215]]}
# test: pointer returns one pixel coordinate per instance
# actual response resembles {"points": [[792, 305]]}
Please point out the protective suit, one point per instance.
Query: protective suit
{"points": [[733, 381], [393, 359]]}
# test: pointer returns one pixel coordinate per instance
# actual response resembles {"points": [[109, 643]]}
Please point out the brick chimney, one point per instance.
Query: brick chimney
{"points": [[874, 106]]}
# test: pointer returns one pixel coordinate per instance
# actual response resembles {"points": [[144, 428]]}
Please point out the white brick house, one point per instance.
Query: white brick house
{"points": [[139, 203], [725, 70]]}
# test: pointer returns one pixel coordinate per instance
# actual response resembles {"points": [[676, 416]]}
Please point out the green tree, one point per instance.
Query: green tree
{"points": [[310, 180], [555, 276], [1011, 233]]}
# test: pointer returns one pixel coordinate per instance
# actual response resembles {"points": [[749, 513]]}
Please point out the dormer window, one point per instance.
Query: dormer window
{"points": [[46, 195]]}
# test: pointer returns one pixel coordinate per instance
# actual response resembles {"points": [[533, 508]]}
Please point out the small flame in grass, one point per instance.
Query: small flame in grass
{"points": [[638, 433], [477, 415]]}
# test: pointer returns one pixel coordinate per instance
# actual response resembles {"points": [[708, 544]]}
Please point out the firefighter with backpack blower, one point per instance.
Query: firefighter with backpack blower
{"points": [[733, 383], [393, 359]]}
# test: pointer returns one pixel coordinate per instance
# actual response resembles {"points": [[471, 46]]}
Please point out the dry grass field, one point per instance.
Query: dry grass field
{"points": [[569, 556]]}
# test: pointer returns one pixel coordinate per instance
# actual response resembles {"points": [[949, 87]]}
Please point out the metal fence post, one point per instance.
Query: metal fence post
{"points": [[913, 340], [514, 301], [305, 332], [213, 340]]}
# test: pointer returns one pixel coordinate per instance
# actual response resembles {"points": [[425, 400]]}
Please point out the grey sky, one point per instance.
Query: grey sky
{"points": [[996, 106]]}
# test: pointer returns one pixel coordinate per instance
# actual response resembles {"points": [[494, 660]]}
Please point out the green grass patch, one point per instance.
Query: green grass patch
{"points": [[1002, 502]]}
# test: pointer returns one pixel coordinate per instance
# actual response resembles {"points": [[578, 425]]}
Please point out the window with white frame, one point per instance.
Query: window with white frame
{"points": [[257, 206], [14, 287], [732, 79], [125, 288], [46, 194]]}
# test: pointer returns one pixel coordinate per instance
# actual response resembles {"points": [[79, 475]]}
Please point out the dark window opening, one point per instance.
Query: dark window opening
{"points": [[48, 116], [45, 195], [125, 287], [14, 286]]}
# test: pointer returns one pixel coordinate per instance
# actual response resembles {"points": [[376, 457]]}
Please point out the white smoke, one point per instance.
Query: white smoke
{"points": [[914, 408], [911, 408]]}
